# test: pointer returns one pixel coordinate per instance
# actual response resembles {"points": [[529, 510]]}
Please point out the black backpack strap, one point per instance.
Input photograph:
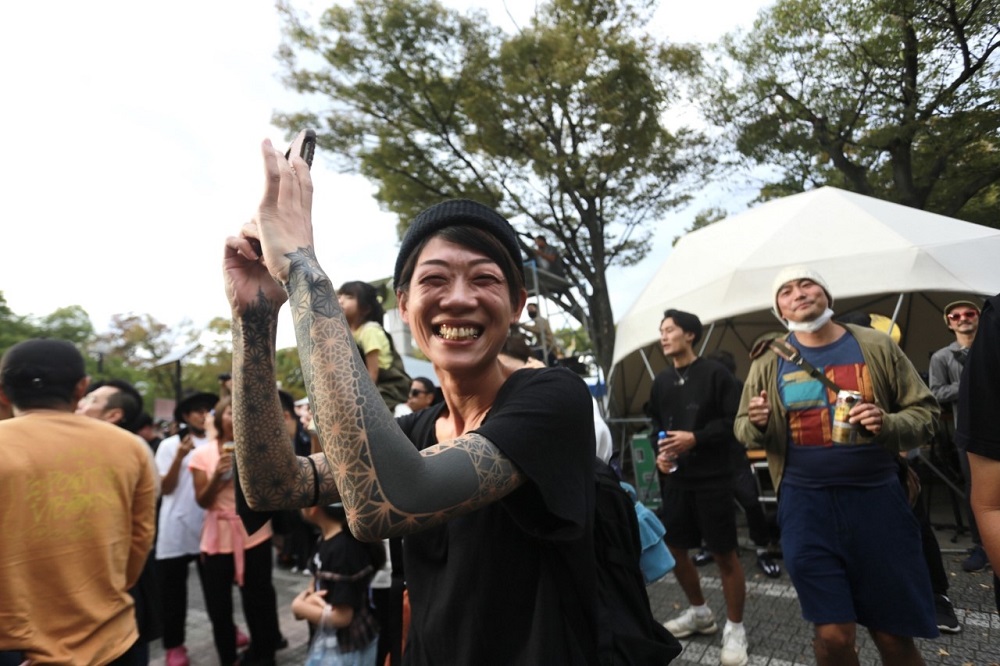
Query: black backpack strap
{"points": [[396, 602]]}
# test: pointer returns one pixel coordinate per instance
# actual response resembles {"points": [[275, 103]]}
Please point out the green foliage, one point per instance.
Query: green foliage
{"points": [[70, 323], [703, 219], [896, 99], [13, 328], [558, 126], [289, 372], [574, 341], [134, 344]]}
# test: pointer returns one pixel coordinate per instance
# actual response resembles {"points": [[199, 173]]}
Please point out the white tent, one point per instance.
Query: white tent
{"points": [[877, 257]]}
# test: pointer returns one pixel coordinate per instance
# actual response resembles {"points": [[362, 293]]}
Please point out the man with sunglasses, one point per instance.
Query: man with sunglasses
{"points": [[962, 319], [422, 394]]}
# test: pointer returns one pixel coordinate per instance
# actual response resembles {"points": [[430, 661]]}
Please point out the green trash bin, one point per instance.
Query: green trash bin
{"points": [[647, 483]]}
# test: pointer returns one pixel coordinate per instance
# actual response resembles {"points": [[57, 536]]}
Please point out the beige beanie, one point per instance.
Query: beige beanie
{"points": [[799, 272]]}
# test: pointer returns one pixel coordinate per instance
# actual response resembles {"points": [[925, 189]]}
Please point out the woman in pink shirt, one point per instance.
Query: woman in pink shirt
{"points": [[230, 555]]}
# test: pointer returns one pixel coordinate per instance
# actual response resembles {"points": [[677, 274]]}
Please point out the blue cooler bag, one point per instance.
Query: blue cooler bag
{"points": [[656, 560]]}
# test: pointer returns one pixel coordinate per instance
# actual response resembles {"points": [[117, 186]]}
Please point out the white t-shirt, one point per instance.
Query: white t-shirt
{"points": [[179, 530], [605, 445]]}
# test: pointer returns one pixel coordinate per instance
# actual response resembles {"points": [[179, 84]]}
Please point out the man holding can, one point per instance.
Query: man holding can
{"points": [[692, 404], [850, 541]]}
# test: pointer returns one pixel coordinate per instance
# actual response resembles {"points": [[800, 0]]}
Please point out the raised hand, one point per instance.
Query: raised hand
{"points": [[757, 410], [283, 222], [248, 282]]}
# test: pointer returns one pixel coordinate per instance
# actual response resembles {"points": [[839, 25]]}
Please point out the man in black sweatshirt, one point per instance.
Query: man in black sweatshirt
{"points": [[694, 404]]}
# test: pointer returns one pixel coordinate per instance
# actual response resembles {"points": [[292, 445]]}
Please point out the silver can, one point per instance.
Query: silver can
{"points": [[845, 432]]}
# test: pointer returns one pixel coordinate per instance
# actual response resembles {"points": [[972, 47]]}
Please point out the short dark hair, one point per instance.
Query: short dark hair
{"points": [[725, 357], [287, 403], [427, 383], [687, 322], [367, 297], [41, 373], [856, 317], [126, 398]]}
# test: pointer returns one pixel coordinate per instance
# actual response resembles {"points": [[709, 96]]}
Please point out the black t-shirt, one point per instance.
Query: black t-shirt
{"points": [[350, 563], [484, 588], [979, 388], [703, 399]]}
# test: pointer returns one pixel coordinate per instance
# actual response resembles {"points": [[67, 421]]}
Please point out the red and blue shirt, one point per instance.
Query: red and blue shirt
{"points": [[814, 460]]}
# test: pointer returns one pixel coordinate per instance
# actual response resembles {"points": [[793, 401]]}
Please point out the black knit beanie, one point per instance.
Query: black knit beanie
{"points": [[457, 212]]}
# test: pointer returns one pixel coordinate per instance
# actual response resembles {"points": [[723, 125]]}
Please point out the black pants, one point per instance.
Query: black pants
{"points": [[300, 540], [260, 603], [173, 574], [963, 461], [748, 496], [929, 544]]}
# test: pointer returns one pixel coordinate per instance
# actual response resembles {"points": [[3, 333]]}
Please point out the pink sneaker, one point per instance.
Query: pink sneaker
{"points": [[177, 656], [242, 640]]}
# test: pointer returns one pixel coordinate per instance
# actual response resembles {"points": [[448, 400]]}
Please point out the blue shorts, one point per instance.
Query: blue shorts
{"points": [[854, 555]]}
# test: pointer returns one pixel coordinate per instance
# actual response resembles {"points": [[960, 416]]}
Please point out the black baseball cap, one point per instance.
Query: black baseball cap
{"points": [[41, 363]]}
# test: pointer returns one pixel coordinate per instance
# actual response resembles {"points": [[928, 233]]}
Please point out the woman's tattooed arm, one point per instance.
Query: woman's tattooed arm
{"points": [[271, 475], [387, 486]]}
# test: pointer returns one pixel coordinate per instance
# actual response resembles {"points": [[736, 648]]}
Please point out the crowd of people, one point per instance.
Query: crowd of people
{"points": [[478, 494], [835, 406]]}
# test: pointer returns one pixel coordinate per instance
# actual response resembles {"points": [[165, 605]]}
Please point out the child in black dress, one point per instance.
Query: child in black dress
{"points": [[342, 569]]}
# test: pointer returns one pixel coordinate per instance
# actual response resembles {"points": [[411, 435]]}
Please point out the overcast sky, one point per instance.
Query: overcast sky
{"points": [[133, 134]]}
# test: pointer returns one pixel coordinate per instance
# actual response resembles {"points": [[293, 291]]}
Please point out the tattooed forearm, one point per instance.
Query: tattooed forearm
{"points": [[388, 487], [272, 476]]}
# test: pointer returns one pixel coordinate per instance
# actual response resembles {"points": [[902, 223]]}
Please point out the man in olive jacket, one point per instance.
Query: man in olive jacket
{"points": [[850, 542]]}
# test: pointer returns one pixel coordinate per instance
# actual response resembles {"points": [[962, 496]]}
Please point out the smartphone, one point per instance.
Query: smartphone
{"points": [[183, 431], [306, 141]]}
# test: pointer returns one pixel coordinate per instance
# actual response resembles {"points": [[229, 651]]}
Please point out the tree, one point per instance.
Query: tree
{"points": [[71, 323], [896, 99], [702, 219], [133, 345], [13, 328], [558, 126]]}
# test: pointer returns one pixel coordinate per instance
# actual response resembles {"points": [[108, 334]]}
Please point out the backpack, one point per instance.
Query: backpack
{"points": [[627, 631], [628, 634]]}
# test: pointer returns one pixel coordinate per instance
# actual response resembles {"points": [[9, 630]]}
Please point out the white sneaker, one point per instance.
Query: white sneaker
{"points": [[734, 647], [689, 622]]}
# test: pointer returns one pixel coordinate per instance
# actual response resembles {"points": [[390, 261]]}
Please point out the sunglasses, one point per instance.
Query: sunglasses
{"points": [[415, 392], [968, 314]]}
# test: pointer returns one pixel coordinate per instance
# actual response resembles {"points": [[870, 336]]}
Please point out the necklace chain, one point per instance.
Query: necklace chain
{"points": [[682, 377]]}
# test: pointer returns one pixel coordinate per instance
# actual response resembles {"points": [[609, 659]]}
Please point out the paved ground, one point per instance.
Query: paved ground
{"points": [[778, 636]]}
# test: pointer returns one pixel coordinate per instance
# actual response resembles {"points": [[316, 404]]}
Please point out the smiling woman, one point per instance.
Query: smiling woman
{"points": [[498, 476]]}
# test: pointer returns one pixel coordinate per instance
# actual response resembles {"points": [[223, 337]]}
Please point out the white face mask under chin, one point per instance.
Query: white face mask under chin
{"points": [[810, 326]]}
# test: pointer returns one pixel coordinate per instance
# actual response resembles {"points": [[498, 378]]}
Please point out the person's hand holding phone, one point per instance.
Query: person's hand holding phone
{"points": [[282, 225], [186, 441]]}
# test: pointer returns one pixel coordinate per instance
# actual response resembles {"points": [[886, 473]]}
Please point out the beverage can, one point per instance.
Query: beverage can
{"points": [[845, 432]]}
